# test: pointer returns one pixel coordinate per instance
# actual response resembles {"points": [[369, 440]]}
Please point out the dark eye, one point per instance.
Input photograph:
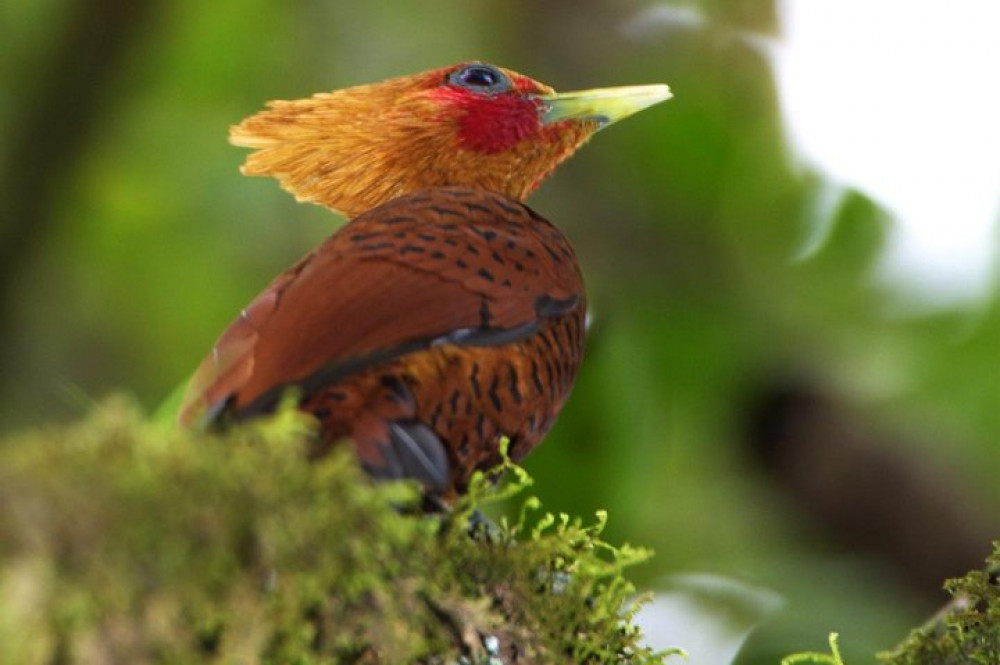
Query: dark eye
{"points": [[480, 78]]}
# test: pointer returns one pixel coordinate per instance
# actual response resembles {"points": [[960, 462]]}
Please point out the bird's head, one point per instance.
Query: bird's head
{"points": [[471, 124]]}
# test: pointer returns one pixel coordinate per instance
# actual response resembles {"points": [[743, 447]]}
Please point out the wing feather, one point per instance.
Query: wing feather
{"points": [[418, 268]]}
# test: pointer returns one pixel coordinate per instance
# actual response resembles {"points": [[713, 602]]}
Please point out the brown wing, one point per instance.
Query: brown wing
{"points": [[416, 269]]}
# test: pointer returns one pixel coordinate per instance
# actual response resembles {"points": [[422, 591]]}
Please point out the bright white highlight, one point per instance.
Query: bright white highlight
{"points": [[706, 615], [901, 99]]}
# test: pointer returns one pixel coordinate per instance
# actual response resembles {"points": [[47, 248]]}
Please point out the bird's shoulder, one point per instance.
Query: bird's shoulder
{"points": [[417, 268]]}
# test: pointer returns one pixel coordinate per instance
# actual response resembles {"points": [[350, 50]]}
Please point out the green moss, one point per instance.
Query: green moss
{"points": [[817, 658], [966, 631], [125, 542]]}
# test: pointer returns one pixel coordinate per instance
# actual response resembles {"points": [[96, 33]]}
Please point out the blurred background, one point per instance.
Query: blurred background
{"points": [[792, 388]]}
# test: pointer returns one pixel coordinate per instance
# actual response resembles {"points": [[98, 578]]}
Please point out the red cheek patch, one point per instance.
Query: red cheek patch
{"points": [[491, 124]]}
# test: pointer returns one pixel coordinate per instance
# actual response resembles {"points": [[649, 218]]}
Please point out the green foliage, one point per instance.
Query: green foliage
{"points": [[121, 541], [712, 262], [966, 632], [832, 658]]}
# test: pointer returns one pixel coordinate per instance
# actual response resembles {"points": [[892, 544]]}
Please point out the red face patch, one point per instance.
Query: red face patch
{"points": [[491, 123]]}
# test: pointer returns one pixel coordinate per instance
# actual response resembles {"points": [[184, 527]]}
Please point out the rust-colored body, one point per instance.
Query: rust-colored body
{"points": [[465, 324], [446, 314]]}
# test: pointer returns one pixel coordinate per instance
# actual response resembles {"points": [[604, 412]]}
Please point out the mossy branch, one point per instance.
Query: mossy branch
{"points": [[964, 632], [125, 542]]}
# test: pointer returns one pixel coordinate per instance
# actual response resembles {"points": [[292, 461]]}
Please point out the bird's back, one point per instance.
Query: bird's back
{"points": [[425, 330]]}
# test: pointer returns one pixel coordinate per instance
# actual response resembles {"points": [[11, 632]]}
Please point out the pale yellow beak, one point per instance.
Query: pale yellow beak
{"points": [[605, 105]]}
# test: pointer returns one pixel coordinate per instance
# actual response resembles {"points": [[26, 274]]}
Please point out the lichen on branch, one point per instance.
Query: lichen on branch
{"points": [[121, 541], [964, 632]]}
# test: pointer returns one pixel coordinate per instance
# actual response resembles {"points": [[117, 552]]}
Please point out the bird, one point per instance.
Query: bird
{"points": [[446, 315]]}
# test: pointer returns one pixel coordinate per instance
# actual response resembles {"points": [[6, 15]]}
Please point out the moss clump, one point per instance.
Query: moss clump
{"points": [[966, 631], [121, 542]]}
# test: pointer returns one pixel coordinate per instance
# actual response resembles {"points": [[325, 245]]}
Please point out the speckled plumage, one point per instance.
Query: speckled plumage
{"points": [[446, 314], [472, 324]]}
